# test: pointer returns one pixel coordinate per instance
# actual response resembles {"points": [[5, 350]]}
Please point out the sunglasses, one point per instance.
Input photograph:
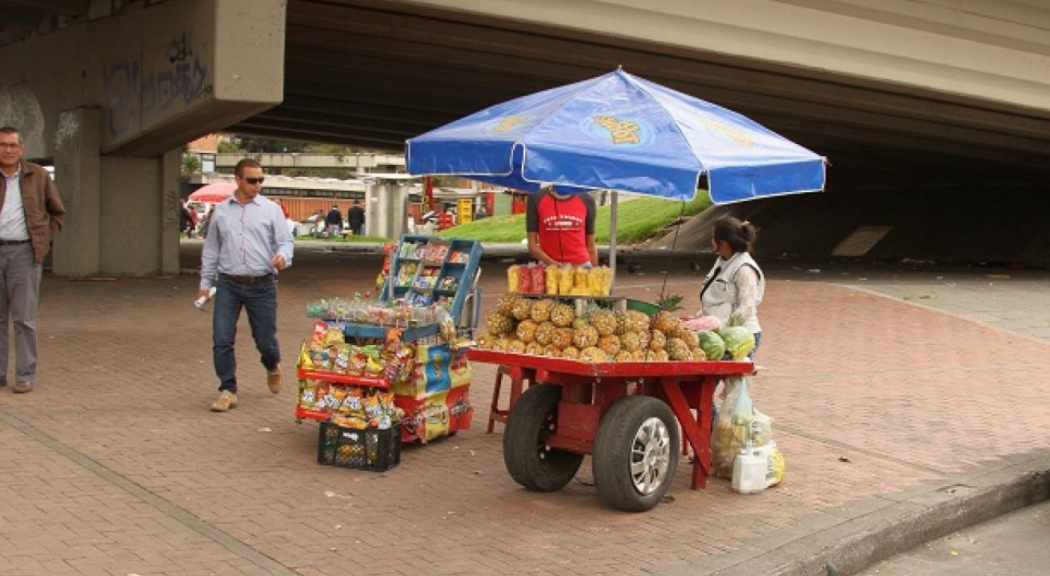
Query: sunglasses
{"points": [[254, 181]]}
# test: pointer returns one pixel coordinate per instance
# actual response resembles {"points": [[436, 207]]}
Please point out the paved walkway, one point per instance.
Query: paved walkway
{"points": [[115, 466]]}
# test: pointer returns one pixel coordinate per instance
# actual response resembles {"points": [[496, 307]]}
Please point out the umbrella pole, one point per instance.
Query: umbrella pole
{"points": [[612, 239]]}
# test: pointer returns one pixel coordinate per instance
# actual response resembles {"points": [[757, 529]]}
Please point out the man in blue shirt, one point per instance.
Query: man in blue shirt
{"points": [[247, 244]]}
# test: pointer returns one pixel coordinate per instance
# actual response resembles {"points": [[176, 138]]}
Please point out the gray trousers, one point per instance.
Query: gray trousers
{"points": [[19, 295]]}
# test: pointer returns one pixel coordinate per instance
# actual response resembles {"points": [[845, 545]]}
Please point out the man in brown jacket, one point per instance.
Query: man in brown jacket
{"points": [[31, 214]]}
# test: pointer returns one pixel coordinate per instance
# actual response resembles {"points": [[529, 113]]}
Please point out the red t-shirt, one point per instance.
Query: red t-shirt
{"points": [[563, 225]]}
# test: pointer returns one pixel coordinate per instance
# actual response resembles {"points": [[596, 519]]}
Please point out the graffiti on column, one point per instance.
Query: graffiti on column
{"points": [[134, 90], [20, 108], [171, 209]]}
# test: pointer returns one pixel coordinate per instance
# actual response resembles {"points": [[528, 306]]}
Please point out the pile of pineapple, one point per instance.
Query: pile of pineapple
{"points": [[546, 327]]}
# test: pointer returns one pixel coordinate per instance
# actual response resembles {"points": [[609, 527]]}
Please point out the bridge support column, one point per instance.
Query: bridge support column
{"points": [[77, 169]]}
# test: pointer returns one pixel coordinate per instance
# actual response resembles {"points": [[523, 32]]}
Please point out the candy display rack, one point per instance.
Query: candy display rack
{"points": [[423, 272]]}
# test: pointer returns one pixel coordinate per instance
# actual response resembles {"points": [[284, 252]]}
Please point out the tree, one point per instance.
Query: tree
{"points": [[191, 163]]}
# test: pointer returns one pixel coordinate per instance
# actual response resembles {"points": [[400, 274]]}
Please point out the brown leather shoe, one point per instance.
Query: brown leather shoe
{"points": [[273, 380], [22, 387], [224, 402]]}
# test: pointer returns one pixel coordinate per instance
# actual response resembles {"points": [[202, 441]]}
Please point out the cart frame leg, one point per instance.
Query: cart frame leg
{"points": [[697, 433]]}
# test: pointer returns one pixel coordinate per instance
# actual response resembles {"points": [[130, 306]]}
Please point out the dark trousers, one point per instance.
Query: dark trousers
{"points": [[260, 301]]}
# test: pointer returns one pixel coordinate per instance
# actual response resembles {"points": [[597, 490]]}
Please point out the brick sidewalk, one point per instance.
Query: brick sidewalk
{"points": [[115, 466]]}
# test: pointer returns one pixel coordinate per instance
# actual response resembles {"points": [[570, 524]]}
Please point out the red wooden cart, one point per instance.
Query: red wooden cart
{"points": [[622, 413]]}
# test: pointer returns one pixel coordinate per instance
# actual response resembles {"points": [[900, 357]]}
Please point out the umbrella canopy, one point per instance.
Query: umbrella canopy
{"points": [[213, 193], [618, 132]]}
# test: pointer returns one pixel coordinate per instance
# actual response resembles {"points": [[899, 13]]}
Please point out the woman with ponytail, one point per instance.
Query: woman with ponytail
{"points": [[735, 284]]}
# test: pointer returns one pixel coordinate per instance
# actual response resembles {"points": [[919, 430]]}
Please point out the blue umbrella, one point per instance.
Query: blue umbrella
{"points": [[619, 132]]}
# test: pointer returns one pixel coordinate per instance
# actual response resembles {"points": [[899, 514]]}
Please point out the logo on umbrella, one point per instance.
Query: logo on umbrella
{"points": [[619, 130], [507, 123]]}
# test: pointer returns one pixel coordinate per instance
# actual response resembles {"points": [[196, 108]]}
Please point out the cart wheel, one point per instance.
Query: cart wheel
{"points": [[635, 453], [529, 460]]}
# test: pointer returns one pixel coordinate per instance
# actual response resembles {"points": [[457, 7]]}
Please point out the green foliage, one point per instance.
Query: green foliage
{"points": [[670, 302], [497, 229], [191, 164], [637, 220], [645, 218], [254, 145]]}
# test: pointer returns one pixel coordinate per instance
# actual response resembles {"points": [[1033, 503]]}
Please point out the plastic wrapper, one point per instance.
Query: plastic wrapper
{"points": [[566, 280], [539, 279], [702, 323], [737, 420], [581, 280], [553, 279], [525, 279], [513, 284]]}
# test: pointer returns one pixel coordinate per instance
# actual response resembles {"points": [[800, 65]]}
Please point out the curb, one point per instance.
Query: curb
{"points": [[931, 512]]}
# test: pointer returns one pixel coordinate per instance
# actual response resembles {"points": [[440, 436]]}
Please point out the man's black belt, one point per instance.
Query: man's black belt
{"points": [[247, 279], [13, 242]]}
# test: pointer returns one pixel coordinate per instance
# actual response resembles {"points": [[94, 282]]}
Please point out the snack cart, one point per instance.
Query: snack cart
{"points": [[395, 363]]}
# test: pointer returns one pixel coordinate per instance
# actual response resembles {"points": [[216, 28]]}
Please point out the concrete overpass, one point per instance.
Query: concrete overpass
{"points": [[905, 95]]}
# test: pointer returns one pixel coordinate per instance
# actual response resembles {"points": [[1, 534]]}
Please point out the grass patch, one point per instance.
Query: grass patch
{"points": [[638, 220], [345, 239]]}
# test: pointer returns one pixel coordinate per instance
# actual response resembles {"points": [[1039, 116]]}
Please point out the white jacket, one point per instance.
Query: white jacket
{"points": [[718, 296]]}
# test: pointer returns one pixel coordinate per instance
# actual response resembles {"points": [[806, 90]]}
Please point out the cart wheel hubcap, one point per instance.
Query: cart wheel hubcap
{"points": [[650, 456]]}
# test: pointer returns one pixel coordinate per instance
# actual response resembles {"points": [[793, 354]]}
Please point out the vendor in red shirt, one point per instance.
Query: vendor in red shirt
{"points": [[561, 228]]}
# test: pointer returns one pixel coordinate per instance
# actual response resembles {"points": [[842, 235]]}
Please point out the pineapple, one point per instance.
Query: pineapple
{"points": [[623, 323], [657, 340], [664, 322], [485, 341], [522, 309], [534, 348], [643, 339], [562, 315], [516, 347], [639, 321], [580, 324], [570, 352], [585, 337], [505, 304], [545, 333], [610, 344], [631, 342], [604, 321], [563, 338], [593, 354], [691, 339], [500, 323], [638, 355], [624, 356], [551, 351], [698, 354], [527, 331], [541, 310], [500, 344], [677, 350]]}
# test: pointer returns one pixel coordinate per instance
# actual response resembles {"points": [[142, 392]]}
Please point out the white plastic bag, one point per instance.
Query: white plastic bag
{"points": [[737, 418]]}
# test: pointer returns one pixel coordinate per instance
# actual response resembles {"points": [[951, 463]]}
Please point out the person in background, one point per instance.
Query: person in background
{"points": [[334, 221], [560, 228], [31, 214], [247, 245], [480, 212], [735, 285], [355, 217]]}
